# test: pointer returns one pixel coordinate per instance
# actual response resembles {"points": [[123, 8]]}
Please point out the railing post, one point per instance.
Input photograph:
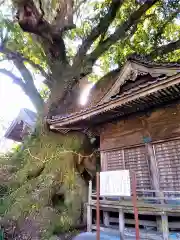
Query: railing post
{"points": [[89, 208], [97, 206], [134, 199], [165, 227], [121, 224]]}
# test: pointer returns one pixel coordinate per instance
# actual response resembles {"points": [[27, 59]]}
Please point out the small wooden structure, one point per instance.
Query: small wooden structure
{"points": [[22, 125], [136, 113]]}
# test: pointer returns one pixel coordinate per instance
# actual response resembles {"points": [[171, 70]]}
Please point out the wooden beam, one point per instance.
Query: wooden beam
{"points": [[153, 167], [144, 208], [155, 178], [147, 223]]}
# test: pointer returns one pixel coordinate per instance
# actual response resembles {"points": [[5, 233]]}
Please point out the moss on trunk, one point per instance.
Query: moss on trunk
{"points": [[51, 170]]}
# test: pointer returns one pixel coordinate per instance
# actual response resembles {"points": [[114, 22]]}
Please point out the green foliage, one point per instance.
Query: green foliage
{"points": [[17, 40], [49, 168], [45, 92], [159, 25], [146, 36]]}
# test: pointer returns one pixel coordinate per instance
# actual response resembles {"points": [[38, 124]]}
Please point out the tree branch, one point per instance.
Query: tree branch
{"points": [[120, 32], [41, 8], [29, 86], [32, 21], [25, 73], [15, 79], [165, 49], [82, 64], [64, 18], [10, 55], [100, 29], [48, 78], [163, 26], [26, 82]]}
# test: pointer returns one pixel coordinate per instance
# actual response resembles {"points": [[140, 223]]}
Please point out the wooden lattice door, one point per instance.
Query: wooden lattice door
{"points": [[136, 160], [133, 158], [168, 162]]}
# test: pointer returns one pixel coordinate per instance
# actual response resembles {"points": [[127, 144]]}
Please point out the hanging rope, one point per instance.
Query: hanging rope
{"points": [[80, 156]]}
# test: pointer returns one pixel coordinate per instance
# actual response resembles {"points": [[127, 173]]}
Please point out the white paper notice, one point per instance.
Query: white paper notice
{"points": [[115, 183]]}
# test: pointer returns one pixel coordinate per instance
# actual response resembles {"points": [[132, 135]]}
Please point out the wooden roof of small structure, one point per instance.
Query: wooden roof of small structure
{"points": [[137, 86], [25, 117]]}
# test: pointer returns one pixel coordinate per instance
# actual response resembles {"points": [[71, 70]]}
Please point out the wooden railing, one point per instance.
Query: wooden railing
{"points": [[160, 197], [150, 202]]}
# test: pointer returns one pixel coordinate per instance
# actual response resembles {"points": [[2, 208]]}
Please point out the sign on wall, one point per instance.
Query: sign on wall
{"points": [[115, 183]]}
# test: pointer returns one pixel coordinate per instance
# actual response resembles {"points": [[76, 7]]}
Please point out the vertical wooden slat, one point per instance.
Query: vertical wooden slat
{"points": [[104, 161], [131, 158], [112, 160], [123, 159], [89, 209], [136, 160]]}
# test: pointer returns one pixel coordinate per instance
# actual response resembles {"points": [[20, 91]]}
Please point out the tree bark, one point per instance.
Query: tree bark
{"points": [[165, 49]]}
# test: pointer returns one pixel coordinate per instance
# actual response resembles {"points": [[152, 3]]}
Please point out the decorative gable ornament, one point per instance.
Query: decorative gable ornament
{"points": [[131, 70], [133, 74]]}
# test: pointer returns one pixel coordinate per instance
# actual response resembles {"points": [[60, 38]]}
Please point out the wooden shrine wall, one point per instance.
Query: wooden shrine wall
{"points": [[149, 145]]}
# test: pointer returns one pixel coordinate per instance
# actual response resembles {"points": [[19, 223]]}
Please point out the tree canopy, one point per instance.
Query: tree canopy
{"points": [[67, 40]]}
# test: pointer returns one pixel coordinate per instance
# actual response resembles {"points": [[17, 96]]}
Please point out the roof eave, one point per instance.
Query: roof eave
{"points": [[114, 103]]}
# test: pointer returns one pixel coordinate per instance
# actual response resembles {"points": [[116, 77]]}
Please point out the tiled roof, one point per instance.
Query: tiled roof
{"points": [[162, 91], [144, 60], [141, 82], [127, 86]]}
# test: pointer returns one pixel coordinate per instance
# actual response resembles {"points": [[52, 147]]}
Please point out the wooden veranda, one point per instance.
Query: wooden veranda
{"points": [[160, 206]]}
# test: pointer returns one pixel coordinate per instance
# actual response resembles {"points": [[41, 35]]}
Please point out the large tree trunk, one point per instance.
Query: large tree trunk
{"points": [[49, 191]]}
